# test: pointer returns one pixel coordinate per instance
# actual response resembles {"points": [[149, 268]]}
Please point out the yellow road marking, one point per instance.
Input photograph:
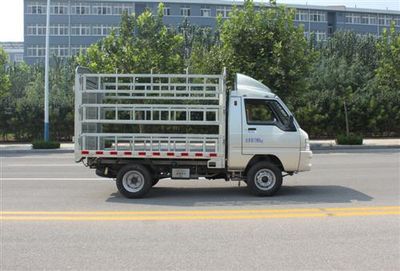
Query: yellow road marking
{"points": [[197, 214], [362, 208], [167, 212]]}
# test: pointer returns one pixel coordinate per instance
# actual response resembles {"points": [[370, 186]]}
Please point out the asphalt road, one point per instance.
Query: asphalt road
{"points": [[344, 214]]}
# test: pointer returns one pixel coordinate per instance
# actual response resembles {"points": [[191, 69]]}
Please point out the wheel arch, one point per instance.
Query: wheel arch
{"points": [[264, 158]]}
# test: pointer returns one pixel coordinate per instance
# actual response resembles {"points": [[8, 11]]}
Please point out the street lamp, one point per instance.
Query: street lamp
{"points": [[46, 76]]}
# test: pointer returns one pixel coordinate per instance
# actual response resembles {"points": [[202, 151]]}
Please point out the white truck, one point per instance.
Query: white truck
{"points": [[140, 128]]}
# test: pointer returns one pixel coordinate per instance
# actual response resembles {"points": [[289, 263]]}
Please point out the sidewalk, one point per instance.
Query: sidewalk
{"points": [[386, 143], [315, 145]]}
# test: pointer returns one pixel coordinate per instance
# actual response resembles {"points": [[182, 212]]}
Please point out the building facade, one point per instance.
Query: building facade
{"points": [[14, 50], [76, 24]]}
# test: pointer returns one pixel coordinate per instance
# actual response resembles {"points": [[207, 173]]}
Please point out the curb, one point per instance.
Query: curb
{"points": [[319, 147]]}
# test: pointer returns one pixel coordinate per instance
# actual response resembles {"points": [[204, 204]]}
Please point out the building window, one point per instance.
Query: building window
{"points": [[80, 30], [318, 16], [40, 30], [387, 19], [102, 30], [301, 15], [36, 9], [205, 11], [58, 9], [18, 58], [30, 51], [59, 51], [80, 9], [167, 11], [41, 51], [36, 30], [223, 11], [353, 18], [59, 30], [102, 10], [361, 18], [120, 9], [185, 11], [318, 35], [372, 19], [397, 20], [31, 30], [75, 50]]}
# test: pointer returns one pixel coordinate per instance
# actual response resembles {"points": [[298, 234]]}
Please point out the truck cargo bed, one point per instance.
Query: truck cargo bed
{"points": [[168, 116]]}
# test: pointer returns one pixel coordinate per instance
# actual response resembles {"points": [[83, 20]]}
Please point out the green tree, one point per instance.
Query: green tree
{"points": [[4, 93], [143, 44], [20, 75], [341, 75], [387, 72], [29, 109], [387, 84], [265, 44], [62, 99]]}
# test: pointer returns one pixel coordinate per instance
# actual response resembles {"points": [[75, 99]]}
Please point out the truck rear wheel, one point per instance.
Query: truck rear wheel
{"points": [[264, 179], [134, 181]]}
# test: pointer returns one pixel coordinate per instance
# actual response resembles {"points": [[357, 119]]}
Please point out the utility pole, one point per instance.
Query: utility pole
{"points": [[46, 76]]}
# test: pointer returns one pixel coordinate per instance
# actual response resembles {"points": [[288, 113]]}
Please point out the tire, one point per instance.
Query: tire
{"points": [[155, 181], [134, 181], [264, 179]]}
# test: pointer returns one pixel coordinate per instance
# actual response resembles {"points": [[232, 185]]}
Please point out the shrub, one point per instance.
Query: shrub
{"points": [[41, 144], [349, 140]]}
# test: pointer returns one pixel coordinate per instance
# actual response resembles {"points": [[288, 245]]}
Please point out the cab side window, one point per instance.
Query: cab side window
{"points": [[259, 112], [267, 112]]}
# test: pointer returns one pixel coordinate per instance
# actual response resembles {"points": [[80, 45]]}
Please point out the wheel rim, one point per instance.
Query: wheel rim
{"points": [[133, 181], [265, 179]]}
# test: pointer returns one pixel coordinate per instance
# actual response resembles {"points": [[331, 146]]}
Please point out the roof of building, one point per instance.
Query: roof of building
{"points": [[266, 3], [12, 45]]}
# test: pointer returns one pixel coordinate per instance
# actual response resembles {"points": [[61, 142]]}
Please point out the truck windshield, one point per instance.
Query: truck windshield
{"points": [[281, 113]]}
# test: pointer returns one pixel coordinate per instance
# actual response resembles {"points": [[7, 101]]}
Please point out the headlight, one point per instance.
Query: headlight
{"points": [[307, 144]]}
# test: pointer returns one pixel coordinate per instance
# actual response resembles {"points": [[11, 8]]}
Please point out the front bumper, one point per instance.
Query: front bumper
{"points": [[305, 161]]}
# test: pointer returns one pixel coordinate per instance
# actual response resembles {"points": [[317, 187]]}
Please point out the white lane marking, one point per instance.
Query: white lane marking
{"points": [[54, 179]]}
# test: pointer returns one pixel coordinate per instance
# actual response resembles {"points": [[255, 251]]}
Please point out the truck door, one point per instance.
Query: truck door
{"points": [[266, 130]]}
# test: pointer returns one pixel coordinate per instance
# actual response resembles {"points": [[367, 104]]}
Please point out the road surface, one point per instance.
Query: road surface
{"points": [[344, 214]]}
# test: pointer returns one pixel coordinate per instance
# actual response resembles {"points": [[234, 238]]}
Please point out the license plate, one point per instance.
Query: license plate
{"points": [[180, 173]]}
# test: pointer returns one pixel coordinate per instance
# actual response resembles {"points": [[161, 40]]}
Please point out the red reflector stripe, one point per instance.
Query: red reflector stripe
{"points": [[198, 154], [113, 152], [127, 153], [99, 152], [213, 155], [142, 153], [156, 154], [85, 152], [184, 154], [170, 154]]}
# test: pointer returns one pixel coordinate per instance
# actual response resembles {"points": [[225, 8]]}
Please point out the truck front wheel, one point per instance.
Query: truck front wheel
{"points": [[264, 179], [134, 181]]}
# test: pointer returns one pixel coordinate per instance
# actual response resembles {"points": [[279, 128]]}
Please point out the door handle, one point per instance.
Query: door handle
{"points": [[252, 129]]}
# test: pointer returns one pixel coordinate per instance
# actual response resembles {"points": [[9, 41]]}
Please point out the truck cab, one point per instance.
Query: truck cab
{"points": [[263, 134]]}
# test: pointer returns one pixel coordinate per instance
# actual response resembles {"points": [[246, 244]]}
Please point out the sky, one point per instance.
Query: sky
{"points": [[12, 25]]}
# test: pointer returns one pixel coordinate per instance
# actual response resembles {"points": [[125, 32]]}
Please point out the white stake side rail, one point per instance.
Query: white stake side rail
{"points": [[153, 99]]}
